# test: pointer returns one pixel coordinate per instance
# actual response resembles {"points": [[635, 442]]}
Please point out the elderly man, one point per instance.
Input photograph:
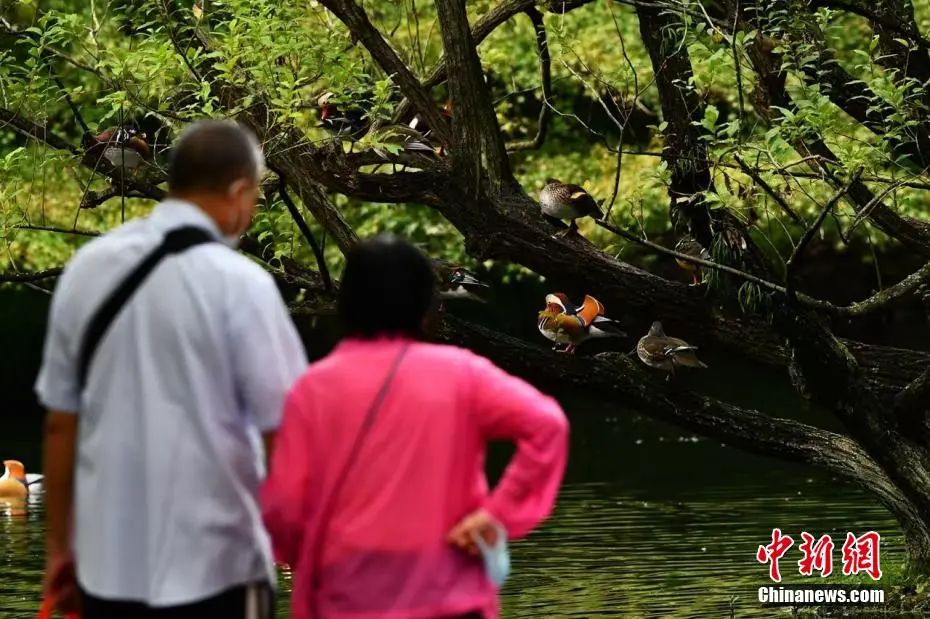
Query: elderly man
{"points": [[167, 353]]}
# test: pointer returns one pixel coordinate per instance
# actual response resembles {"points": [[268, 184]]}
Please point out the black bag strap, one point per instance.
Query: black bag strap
{"points": [[175, 242], [327, 506]]}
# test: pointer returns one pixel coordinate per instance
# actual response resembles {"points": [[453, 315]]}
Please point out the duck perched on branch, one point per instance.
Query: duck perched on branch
{"points": [[458, 283], [563, 201], [419, 124], [689, 246], [566, 323], [351, 120], [125, 148], [665, 353]]}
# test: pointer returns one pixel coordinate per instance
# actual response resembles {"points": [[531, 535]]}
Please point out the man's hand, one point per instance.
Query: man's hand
{"points": [[479, 522], [61, 582]]}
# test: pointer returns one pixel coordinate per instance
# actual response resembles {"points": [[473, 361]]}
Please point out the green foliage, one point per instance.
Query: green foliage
{"points": [[124, 59]]}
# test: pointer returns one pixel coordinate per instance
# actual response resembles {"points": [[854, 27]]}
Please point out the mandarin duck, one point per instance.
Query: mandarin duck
{"points": [[18, 471], [419, 124], [10, 487], [565, 323], [462, 284], [410, 140], [564, 201], [351, 121], [689, 246], [665, 353], [124, 148], [458, 283]]}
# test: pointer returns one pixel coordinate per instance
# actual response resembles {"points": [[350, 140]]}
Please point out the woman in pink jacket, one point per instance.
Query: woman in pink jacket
{"points": [[377, 493]]}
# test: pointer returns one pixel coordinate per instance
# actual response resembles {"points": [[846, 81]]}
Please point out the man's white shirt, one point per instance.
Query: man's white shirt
{"points": [[196, 364]]}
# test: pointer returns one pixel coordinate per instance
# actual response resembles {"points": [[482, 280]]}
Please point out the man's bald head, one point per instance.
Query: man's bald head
{"points": [[212, 155]]}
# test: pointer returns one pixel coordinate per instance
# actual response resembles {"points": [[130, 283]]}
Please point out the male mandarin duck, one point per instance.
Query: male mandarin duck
{"points": [[419, 124], [689, 246], [665, 353], [352, 122], [564, 201], [10, 486], [462, 284], [565, 323], [411, 140], [124, 148]]}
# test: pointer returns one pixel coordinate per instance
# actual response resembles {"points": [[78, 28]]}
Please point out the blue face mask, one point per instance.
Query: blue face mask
{"points": [[496, 557]]}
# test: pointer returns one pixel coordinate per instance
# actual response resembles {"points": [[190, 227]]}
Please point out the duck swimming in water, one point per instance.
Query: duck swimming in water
{"points": [[18, 471], [10, 486]]}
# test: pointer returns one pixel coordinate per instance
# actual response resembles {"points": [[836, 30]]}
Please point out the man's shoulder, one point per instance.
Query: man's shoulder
{"points": [[116, 247], [236, 266]]}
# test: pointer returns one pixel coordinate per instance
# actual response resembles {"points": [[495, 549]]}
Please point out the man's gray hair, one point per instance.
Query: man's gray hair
{"points": [[210, 155]]}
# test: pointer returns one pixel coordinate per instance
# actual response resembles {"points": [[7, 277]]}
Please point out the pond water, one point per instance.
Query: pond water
{"points": [[651, 521]]}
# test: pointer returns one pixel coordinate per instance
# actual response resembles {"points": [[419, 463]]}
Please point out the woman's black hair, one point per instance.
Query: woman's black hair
{"points": [[387, 288]]}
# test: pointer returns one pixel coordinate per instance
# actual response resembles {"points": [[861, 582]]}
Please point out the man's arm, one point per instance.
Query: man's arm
{"points": [[268, 442], [507, 408], [268, 355], [58, 454], [58, 467]]}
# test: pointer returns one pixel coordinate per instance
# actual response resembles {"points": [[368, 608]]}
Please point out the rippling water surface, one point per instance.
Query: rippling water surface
{"points": [[650, 523]]}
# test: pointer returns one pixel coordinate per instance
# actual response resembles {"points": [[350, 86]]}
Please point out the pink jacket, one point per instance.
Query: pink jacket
{"points": [[420, 471]]}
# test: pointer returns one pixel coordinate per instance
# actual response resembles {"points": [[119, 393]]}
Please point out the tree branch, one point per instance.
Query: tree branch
{"points": [[477, 135], [356, 20], [545, 69], [486, 24], [308, 234], [57, 230], [617, 378], [25, 277], [795, 259], [779, 200], [40, 133]]}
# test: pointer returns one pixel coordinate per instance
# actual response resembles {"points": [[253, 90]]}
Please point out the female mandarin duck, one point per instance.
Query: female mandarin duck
{"points": [[10, 486], [564, 201], [687, 245], [565, 323], [665, 353]]}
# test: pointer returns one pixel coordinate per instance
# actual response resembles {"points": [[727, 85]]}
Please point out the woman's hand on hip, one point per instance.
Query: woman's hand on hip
{"points": [[479, 522]]}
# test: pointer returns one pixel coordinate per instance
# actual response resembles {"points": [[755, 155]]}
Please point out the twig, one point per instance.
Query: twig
{"points": [[636, 94], [74, 109], [56, 230], [308, 234], [872, 304], [686, 258], [866, 210], [93, 199], [28, 277], [545, 69], [794, 260], [780, 201], [356, 20], [736, 64], [169, 14]]}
